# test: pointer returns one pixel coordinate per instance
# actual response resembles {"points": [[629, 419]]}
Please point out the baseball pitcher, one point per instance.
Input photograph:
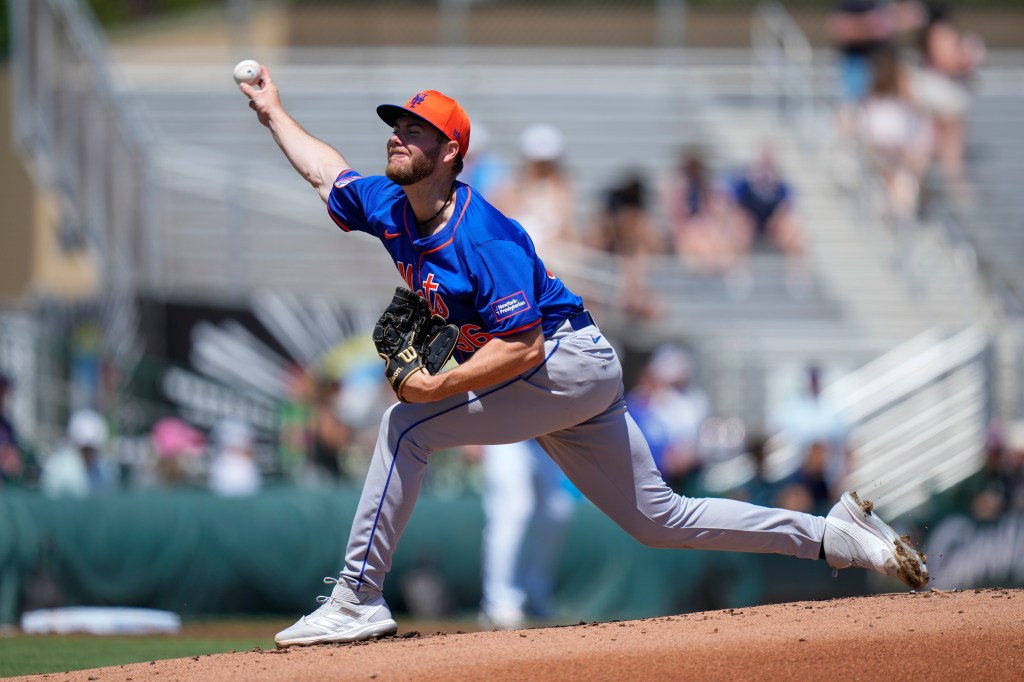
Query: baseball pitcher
{"points": [[531, 363]]}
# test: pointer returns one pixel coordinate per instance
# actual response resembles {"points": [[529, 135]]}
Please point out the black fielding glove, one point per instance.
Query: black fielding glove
{"points": [[409, 338]]}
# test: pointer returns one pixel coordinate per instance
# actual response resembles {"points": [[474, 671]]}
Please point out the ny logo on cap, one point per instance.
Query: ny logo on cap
{"points": [[418, 99]]}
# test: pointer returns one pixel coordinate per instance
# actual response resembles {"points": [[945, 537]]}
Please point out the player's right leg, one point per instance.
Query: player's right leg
{"points": [[546, 399], [344, 616], [549, 398]]}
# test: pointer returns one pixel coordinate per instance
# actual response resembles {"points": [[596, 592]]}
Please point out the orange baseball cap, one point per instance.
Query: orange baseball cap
{"points": [[438, 110]]}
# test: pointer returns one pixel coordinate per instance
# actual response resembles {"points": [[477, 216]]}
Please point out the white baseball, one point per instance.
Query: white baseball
{"points": [[247, 71]]}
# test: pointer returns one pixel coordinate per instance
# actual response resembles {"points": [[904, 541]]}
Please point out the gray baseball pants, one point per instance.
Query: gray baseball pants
{"points": [[573, 405]]}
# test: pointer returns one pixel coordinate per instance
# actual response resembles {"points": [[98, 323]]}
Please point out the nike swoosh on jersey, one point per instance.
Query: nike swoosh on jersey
{"points": [[390, 235], [595, 339]]}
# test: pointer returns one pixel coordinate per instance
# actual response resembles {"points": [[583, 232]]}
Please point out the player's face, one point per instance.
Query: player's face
{"points": [[414, 150]]}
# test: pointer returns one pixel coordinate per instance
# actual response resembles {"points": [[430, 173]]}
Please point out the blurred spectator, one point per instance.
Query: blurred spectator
{"points": [[758, 489], [794, 496], [295, 422], [764, 206], [858, 28], [698, 218], [528, 507], [765, 203], [541, 197], [365, 398], [12, 459], [85, 365], [625, 228], [331, 436], [897, 137], [233, 472], [810, 421], [80, 466], [951, 58], [669, 409], [484, 171], [989, 492], [313, 438], [178, 448], [813, 478]]}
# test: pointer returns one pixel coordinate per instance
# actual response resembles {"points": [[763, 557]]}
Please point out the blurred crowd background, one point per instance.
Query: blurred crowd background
{"points": [[798, 222]]}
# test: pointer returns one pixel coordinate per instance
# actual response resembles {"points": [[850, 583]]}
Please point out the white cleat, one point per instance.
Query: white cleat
{"points": [[345, 616], [854, 536]]}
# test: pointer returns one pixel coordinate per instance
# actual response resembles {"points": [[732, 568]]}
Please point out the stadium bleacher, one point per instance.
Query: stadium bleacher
{"points": [[226, 216]]}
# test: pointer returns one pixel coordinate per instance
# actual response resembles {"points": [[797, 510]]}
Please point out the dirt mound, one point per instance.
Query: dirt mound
{"points": [[931, 635]]}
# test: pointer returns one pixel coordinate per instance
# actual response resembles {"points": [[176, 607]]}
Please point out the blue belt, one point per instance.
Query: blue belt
{"points": [[580, 320]]}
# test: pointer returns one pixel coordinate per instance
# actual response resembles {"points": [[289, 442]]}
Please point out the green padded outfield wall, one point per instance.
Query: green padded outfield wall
{"points": [[196, 554]]}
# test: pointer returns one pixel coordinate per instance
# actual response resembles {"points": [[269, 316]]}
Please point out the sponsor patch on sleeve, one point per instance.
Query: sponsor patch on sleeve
{"points": [[505, 308], [346, 177]]}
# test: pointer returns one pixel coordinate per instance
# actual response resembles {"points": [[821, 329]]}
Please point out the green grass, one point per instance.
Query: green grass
{"points": [[30, 654], [34, 654]]}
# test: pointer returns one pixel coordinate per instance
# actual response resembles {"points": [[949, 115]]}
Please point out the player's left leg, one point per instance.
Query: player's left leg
{"points": [[616, 472]]}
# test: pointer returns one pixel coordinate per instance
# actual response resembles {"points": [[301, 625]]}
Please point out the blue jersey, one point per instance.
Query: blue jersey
{"points": [[480, 272]]}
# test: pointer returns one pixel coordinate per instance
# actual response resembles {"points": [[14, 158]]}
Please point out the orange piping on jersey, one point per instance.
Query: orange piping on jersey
{"points": [[405, 221], [469, 196], [519, 329], [419, 264], [337, 222]]}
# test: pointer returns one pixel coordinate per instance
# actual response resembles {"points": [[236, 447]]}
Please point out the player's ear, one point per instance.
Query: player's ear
{"points": [[452, 151]]}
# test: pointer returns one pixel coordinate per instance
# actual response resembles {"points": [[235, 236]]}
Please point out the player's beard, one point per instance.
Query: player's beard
{"points": [[422, 166]]}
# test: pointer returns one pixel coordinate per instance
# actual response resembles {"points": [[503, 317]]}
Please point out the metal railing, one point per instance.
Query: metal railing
{"points": [[85, 146], [783, 55], [76, 131], [917, 417], [18, 360]]}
